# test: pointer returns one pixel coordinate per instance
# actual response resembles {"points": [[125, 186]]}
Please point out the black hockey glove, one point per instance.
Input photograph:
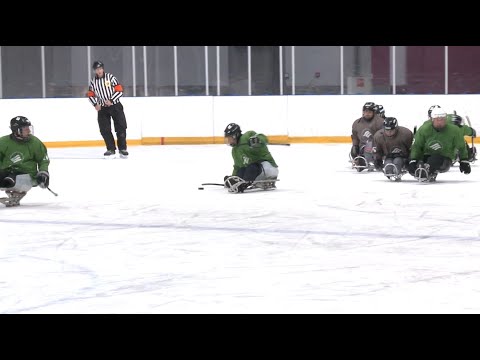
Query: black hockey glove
{"points": [[43, 179], [457, 120], [474, 133], [465, 167], [355, 150], [379, 164], [254, 141], [412, 166]]}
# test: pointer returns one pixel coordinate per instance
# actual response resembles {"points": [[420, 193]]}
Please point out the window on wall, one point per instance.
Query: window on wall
{"points": [[234, 70], [420, 69], [287, 70], [160, 71], [317, 70], [66, 71], [381, 65], [139, 71], [212, 70], [118, 62], [463, 70], [21, 72], [265, 70], [191, 70], [366, 70], [224, 76]]}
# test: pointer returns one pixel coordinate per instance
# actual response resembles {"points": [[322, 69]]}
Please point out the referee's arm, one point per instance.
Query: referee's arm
{"points": [[118, 89], [91, 94]]}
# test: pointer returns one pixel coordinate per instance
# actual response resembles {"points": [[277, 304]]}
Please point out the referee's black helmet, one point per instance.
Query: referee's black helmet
{"points": [[97, 64]]}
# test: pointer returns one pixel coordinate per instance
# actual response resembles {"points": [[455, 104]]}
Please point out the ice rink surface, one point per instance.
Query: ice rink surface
{"points": [[137, 236]]}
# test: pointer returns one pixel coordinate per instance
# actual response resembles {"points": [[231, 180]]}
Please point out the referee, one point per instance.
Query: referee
{"points": [[104, 93]]}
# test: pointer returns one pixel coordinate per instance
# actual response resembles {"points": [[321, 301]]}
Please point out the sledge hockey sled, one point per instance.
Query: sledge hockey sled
{"points": [[393, 175], [422, 175], [13, 198], [233, 183], [23, 184], [360, 163]]}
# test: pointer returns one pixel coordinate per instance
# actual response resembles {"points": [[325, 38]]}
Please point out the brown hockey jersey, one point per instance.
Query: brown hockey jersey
{"points": [[397, 145], [363, 130]]}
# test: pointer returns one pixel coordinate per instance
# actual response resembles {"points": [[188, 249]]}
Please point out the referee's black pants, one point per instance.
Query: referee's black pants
{"points": [[115, 112]]}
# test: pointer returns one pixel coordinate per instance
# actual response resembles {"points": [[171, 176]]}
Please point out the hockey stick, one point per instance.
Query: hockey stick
{"points": [[217, 184], [53, 192]]}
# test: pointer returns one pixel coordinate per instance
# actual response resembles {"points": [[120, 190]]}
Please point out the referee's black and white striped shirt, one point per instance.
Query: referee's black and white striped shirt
{"points": [[103, 89]]}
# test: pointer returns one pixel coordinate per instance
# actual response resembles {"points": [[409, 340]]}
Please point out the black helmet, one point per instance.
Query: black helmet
{"points": [[97, 64], [233, 130], [380, 110], [430, 110], [390, 123], [369, 106], [17, 123]]}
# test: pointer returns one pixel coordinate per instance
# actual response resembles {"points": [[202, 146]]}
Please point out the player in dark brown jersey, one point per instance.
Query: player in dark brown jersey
{"points": [[391, 147], [363, 130]]}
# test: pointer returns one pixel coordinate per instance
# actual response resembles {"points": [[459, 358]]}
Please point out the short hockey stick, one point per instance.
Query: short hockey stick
{"points": [[53, 192], [217, 184]]}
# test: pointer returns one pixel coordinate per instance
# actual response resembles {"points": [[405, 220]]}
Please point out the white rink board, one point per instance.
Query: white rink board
{"points": [[206, 116]]}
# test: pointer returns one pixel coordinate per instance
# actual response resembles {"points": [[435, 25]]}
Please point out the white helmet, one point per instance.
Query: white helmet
{"points": [[438, 112]]}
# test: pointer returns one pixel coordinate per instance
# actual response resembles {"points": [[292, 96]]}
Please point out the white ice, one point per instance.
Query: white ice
{"points": [[137, 236]]}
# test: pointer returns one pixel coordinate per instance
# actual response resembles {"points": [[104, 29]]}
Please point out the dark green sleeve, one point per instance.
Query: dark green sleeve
{"points": [[467, 130], [236, 158], [418, 145], [41, 157], [263, 138]]}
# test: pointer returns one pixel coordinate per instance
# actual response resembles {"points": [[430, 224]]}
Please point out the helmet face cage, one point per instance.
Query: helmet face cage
{"points": [[369, 106], [17, 124], [232, 130], [439, 118]]}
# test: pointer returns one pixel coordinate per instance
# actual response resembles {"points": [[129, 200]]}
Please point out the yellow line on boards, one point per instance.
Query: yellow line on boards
{"points": [[201, 140]]}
